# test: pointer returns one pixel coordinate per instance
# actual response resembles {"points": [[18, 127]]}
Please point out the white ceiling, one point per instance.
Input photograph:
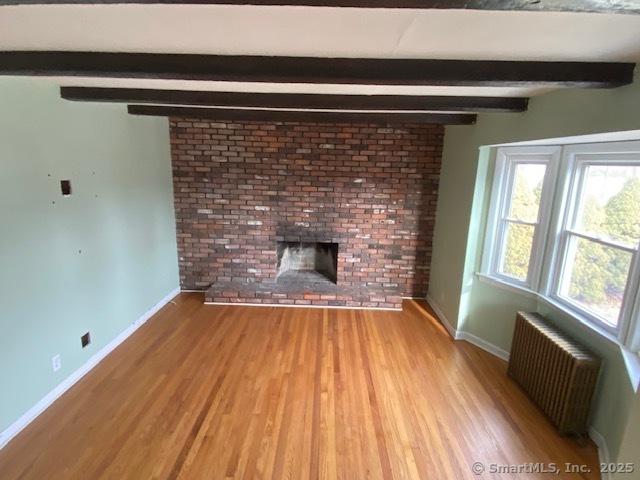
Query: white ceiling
{"points": [[323, 32]]}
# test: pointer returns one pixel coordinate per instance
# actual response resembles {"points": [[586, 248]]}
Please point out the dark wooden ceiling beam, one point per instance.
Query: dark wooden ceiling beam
{"points": [[363, 71], [295, 100], [597, 6], [226, 114]]}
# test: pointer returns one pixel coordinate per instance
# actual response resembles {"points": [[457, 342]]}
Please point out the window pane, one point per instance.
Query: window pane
{"points": [[610, 203], [527, 189], [595, 277], [516, 250]]}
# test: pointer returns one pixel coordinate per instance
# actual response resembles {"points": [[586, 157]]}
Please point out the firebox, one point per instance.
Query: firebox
{"points": [[307, 261]]}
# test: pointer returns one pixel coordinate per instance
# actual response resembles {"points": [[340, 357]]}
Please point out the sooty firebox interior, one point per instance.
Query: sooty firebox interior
{"points": [[308, 262]]}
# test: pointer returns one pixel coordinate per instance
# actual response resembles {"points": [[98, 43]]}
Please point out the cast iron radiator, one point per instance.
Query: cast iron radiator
{"points": [[557, 373]]}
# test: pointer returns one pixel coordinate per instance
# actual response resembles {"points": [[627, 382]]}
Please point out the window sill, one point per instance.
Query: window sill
{"points": [[631, 360], [500, 283]]}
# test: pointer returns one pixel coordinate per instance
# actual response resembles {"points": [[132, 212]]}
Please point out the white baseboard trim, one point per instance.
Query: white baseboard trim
{"points": [[238, 304], [469, 337], [484, 345], [443, 318], [16, 427], [603, 450]]}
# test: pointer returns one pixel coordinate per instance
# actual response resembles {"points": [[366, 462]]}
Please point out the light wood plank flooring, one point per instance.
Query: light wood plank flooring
{"points": [[212, 392]]}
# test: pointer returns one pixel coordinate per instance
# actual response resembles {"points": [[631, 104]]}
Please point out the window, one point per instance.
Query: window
{"points": [[600, 233], [520, 214], [574, 240]]}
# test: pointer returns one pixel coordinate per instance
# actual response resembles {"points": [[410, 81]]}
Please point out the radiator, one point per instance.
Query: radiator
{"points": [[558, 374]]}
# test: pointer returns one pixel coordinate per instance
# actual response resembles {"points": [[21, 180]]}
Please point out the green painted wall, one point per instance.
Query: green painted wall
{"points": [[630, 451], [488, 311], [95, 261]]}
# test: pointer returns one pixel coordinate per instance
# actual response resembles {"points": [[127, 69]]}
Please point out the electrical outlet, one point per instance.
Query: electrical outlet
{"points": [[56, 363], [85, 339]]}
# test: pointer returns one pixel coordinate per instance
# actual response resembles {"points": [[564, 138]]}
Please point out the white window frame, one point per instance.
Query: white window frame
{"points": [[563, 180], [631, 337], [507, 159], [575, 160]]}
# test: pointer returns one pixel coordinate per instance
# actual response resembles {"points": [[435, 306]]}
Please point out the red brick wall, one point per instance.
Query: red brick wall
{"points": [[241, 186]]}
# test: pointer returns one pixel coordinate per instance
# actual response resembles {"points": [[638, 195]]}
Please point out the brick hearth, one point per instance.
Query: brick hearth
{"points": [[241, 187], [291, 292]]}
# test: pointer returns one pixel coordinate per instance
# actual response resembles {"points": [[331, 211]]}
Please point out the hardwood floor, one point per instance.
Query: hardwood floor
{"points": [[211, 392]]}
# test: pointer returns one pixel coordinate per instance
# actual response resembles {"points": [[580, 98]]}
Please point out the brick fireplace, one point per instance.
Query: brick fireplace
{"points": [[355, 202]]}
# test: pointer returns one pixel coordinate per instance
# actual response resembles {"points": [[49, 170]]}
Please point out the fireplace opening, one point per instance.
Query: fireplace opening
{"points": [[306, 261]]}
